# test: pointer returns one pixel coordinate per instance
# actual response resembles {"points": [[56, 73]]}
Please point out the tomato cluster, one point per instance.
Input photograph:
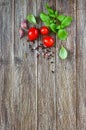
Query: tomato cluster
{"points": [[33, 34]]}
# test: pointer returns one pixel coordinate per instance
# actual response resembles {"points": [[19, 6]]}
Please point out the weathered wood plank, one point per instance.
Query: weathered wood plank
{"points": [[46, 86], [25, 73], [81, 5], [31, 96], [66, 73], [5, 64], [81, 65]]}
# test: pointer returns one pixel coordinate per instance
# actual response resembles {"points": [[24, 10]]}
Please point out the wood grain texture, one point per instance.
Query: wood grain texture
{"points": [[81, 4], [81, 65], [66, 73], [5, 64], [25, 73], [31, 96], [46, 104]]}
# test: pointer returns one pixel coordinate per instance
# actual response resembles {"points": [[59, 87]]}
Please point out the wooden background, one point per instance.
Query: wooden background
{"points": [[31, 96]]}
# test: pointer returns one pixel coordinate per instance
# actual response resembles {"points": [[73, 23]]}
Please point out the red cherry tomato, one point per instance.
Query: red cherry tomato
{"points": [[33, 34], [48, 41], [44, 30]]}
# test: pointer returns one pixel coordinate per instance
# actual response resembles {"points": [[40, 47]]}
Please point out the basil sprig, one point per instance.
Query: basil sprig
{"points": [[56, 22]]}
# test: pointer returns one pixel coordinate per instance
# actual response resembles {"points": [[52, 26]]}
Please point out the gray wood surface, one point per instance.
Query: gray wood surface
{"points": [[66, 74], [31, 96], [81, 65]]}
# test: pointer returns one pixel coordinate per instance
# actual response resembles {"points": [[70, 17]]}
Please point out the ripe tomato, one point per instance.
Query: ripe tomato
{"points": [[33, 34], [48, 41], [44, 30]]}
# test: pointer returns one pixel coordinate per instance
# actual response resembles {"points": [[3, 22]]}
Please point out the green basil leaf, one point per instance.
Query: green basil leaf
{"points": [[49, 9], [51, 21], [62, 34], [47, 23], [67, 21], [52, 15], [62, 27], [44, 17], [63, 53], [53, 27], [56, 13], [58, 27], [31, 19], [61, 17]]}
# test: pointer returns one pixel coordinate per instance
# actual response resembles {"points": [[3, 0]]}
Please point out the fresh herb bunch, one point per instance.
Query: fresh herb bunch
{"points": [[53, 20], [56, 22]]}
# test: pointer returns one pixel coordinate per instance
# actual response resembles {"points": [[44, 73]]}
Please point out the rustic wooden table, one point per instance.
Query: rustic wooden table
{"points": [[31, 96]]}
